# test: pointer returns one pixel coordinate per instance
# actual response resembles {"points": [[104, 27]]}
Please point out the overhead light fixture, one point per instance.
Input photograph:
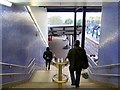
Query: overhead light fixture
{"points": [[6, 3]]}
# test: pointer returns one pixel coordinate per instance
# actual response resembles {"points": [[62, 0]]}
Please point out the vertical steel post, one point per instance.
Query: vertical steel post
{"points": [[75, 12], [72, 41], [83, 27]]}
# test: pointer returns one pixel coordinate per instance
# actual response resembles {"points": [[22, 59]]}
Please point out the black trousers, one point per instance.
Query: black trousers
{"points": [[75, 80], [48, 62]]}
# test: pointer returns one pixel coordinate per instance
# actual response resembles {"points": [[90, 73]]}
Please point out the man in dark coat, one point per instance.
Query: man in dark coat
{"points": [[75, 56], [48, 57]]}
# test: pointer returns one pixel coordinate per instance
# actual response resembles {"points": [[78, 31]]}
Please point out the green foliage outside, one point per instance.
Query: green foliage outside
{"points": [[69, 21], [57, 20], [79, 22]]}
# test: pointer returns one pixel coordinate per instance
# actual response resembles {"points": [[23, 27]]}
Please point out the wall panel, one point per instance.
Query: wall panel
{"points": [[19, 41], [109, 43]]}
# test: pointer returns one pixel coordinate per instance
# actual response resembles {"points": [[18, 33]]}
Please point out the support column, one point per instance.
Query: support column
{"points": [[83, 27], [72, 41], [75, 24]]}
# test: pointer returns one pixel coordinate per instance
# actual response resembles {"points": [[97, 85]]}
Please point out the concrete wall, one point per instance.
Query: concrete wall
{"points": [[19, 42], [119, 34], [109, 45], [40, 15], [0, 34], [0, 44], [109, 34]]}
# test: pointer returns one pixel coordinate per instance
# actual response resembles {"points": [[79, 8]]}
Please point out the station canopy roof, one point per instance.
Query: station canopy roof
{"points": [[62, 5]]}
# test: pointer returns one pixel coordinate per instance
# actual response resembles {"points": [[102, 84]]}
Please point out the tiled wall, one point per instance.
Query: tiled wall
{"points": [[19, 41], [119, 34], [109, 45]]}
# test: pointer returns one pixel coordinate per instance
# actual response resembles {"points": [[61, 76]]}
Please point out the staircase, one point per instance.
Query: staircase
{"points": [[43, 78]]}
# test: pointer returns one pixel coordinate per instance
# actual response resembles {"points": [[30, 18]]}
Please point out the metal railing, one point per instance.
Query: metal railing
{"points": [[14, 65], [100, 74], [110, 65], [92, 60], [103, 66]]}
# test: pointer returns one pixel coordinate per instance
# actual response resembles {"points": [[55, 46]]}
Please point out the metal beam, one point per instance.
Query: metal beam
{"points": [[78, 8], [72, 9]]}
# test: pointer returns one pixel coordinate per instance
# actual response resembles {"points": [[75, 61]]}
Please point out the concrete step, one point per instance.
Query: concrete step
{"points": [[43, 79]]}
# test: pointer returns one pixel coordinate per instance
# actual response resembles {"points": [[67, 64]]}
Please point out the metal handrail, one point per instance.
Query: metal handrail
{"points": [[90, 64], [14, 65], [92, 60], [31, 72], [12, 74], [110, 65], [9, 74], [31, 63], [102, 66], [99, 74], [31, 68]]}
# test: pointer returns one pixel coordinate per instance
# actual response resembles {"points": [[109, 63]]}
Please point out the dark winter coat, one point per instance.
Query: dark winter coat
{"points": [[76, 55], [48, 55]]}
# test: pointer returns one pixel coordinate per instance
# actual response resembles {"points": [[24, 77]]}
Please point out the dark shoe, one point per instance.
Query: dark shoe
{"points": [[77, 86], [72, 84]]}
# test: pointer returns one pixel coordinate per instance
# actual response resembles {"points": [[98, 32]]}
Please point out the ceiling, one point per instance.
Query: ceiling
{"points": [[61, 2], [58, 2], [63, 5]]}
